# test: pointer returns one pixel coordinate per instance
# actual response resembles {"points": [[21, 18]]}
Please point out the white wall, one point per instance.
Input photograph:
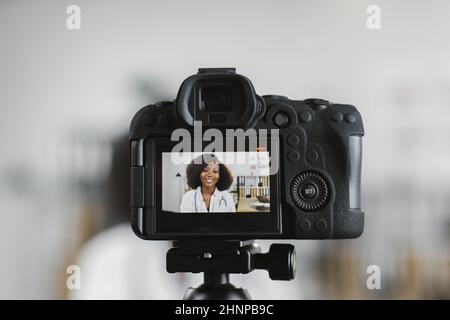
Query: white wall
{"points": [[173, 187]]}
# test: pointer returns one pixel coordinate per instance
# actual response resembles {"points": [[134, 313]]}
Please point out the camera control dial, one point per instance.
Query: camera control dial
{"points": [[309, 191]]}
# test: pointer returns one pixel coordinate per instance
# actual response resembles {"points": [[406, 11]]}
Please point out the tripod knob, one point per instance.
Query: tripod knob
{"points": [[279, 261]]}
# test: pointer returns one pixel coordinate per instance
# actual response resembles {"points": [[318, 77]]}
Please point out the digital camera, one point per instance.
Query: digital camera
{"points": [[221, 162]]}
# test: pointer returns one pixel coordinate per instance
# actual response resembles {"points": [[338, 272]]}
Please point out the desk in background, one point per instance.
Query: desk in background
{"points": [[244, 205]]}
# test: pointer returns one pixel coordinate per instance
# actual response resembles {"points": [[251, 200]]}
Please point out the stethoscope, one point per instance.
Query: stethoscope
{"points": [[220, 201]]}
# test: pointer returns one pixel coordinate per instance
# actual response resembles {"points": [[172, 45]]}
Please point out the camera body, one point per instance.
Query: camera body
{"points": [[315, 192]]}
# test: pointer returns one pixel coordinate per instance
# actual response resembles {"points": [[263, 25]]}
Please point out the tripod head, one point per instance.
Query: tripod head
{"points": [[218, 259]]}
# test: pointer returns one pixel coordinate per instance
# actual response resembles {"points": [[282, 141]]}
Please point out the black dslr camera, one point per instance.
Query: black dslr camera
{"points": [[300, 177], [265, 168]]}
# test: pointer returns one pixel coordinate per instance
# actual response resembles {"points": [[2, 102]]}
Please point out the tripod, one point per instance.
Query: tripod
{"points": [[218, 259]]}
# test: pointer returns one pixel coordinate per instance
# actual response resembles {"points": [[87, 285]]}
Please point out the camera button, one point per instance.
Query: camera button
{"points": [[281, 119], [350, 117], [305, 225], [337, 116], [293, 155], [317, 104], [293, 140], [302, 194], [275, 97], [313, 155], [308, 191], [305, 116], [321, 225], [317, 101]]}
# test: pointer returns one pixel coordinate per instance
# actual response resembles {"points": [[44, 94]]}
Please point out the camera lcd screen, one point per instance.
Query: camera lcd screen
{"points": [[222, 182]]}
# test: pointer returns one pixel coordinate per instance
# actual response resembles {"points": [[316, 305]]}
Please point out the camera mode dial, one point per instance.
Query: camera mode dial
{"points": [[309, 191]]}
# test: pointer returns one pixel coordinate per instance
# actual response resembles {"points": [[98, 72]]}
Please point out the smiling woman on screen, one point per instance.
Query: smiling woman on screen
{"points": [[209, 180]]}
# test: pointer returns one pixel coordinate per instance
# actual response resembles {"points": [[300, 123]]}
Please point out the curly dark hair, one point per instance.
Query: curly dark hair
{"points": [[196, 167]]}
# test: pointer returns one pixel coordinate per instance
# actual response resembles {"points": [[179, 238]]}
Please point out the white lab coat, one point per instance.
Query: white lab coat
{"points": [[221, 201]]}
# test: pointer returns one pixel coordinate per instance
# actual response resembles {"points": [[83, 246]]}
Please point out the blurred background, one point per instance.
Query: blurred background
{"points": [[67, 98]]}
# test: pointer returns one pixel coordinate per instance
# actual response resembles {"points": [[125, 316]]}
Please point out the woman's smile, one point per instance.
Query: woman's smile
{"points": [[209, 181], [210, 175]]}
